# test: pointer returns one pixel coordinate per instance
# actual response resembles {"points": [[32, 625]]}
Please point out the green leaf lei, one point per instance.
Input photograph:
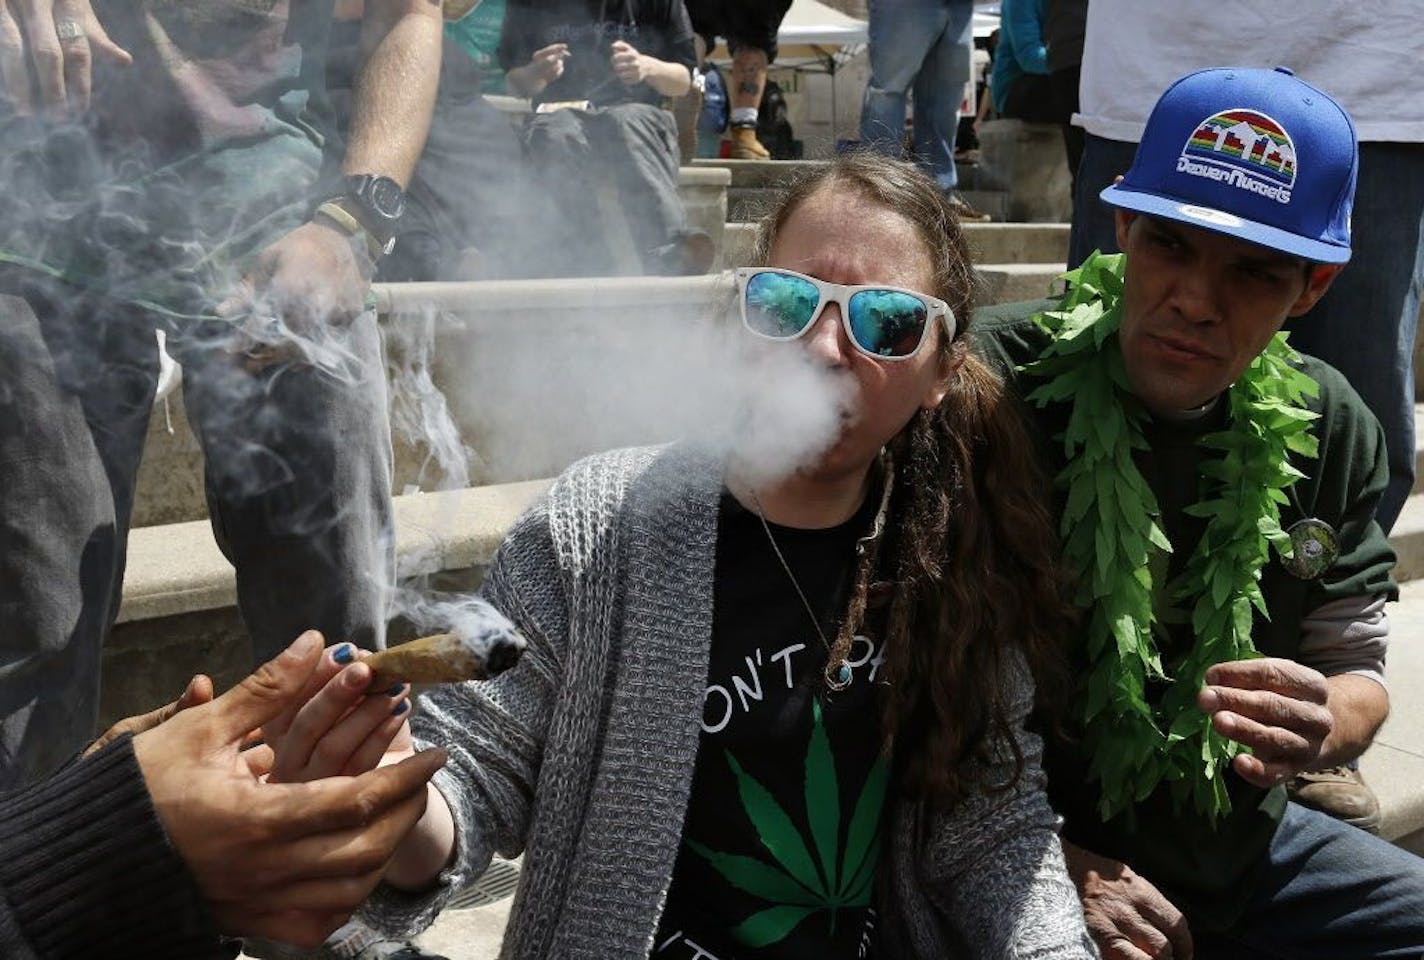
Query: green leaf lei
{"points": [[1113, 541]]}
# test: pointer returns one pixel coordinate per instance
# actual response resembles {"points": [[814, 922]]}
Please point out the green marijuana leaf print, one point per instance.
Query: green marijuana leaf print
{"points": [[802, 880]]}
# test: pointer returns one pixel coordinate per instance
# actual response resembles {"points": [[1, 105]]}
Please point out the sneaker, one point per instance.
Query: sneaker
{"points": [[965, 212], [1339, 792]]}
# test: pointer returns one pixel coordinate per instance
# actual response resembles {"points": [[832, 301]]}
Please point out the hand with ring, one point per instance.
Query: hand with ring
{"points": [[59, 39]]}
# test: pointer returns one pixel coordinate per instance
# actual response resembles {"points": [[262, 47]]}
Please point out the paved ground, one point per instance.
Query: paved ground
{"points": [[468, 934]]}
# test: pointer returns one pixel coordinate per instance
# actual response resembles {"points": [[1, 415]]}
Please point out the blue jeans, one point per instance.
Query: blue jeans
{"points": [[1329, 892], [927, 45], [1364, 326]]}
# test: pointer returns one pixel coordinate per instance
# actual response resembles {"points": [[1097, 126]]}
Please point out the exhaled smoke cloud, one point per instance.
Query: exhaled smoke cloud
{"points": [[535, 392]]}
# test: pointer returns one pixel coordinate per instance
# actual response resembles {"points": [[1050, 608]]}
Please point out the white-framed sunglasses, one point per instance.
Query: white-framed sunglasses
{"points": [[887, 323]]}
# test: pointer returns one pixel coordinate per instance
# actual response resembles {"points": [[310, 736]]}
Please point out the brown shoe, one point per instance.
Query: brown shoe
{"points": [[967, 213], [1339, 792], [746, 146]]}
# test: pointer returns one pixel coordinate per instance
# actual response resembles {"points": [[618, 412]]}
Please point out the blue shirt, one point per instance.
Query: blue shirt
{"points": [[1021, 48]]}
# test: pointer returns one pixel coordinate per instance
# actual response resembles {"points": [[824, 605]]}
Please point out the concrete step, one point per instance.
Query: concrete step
{"points": [[761, 173], [1394, 765], [990, 243], [753, 203]]}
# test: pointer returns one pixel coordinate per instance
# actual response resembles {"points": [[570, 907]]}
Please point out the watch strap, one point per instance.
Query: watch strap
{"points": [[345, 221]]}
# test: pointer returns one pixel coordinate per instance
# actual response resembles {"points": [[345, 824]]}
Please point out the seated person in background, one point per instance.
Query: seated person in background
{"points": [[776, 708], [749, 27], [162, 837], [1218, 513], [470, 203], [1019, 78], [597, 73]]}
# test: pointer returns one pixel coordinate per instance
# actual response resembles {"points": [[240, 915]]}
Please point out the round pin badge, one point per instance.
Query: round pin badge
{"points": [[1314, 547]]}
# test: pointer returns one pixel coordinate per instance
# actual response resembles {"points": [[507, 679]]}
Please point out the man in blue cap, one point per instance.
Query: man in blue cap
{"points": [[1217, 495]]}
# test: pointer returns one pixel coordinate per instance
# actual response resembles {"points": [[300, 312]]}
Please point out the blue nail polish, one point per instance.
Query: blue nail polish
{"points": [[401, 708], [395, 691], [344, 654]]}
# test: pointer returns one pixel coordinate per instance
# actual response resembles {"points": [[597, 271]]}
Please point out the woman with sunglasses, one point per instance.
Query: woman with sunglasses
{"points": [[779, 717]]}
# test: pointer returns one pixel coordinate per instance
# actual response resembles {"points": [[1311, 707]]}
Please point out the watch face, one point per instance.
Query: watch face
{"points": [[387, 198]]}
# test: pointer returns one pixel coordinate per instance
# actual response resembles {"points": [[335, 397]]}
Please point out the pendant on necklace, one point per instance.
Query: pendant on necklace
{"points": [[1314, 548], [838, 678]]}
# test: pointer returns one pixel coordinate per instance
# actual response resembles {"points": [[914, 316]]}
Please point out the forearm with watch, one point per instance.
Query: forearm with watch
{"points": [[394, 97]]}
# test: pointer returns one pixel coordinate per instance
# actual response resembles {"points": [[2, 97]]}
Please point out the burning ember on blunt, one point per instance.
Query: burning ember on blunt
{"points": [[479, 644]]}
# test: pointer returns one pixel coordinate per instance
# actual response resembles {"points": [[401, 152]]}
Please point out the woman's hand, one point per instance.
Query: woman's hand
{"points": [[339, 727]]}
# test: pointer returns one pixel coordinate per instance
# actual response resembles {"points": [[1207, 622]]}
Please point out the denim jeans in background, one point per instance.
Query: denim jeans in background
{"points": [[298, 481], [924, 45], [1364, 326], [1329, 892]]}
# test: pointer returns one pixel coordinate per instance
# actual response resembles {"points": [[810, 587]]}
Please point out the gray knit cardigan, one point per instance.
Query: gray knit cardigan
{"points": [[581, 757]]}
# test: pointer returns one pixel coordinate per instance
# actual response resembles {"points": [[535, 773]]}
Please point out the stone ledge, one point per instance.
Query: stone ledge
{"points": [[703, 177], [535, 296], [178, 569], [1015, 282]]}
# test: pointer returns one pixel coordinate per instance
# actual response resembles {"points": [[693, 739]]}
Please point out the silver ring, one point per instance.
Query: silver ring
{"points": [[69, 30]]}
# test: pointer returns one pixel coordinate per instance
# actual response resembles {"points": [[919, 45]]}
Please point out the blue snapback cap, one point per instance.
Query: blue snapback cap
{"points": [[1255, 154]]}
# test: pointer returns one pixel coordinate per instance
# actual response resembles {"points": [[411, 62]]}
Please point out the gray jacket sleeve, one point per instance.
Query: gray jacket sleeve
{"points": [[494, 730], [1349, 635], [993, 864]]}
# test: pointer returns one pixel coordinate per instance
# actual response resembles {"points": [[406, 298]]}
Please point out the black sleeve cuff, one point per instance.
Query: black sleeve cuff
{"points": [[88, 870]]}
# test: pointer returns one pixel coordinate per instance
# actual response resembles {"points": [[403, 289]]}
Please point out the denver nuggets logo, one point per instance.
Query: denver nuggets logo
{"points": [[1245, 149]]}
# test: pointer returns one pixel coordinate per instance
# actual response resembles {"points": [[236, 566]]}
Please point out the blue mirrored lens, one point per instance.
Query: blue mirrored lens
{"points": [[780, 305], [887, 323]]}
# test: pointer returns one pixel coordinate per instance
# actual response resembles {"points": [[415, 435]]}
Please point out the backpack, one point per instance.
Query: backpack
{"points": [[773, 126], [716, 106]]}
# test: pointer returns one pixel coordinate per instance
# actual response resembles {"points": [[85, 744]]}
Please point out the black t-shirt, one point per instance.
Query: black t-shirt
{"points": [[658, 28], [782, 836]]}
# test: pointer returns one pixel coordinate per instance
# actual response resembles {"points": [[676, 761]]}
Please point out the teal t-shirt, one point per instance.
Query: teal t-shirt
{"points": [[478, 35], [1206, 868]]}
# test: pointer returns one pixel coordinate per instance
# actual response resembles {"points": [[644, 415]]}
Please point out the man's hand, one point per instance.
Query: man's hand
{"points": [[631, 66], [60, 39], [547, 64], [1127, 916], [198, 692], [311, 277], [1277, 708], [543, 68], [284, 861]]}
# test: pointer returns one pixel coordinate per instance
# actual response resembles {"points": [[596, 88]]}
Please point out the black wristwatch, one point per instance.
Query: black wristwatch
{"points": [[381, 201]]}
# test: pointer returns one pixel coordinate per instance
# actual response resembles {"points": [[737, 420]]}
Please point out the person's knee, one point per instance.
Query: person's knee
{"points": [[556, 136]]}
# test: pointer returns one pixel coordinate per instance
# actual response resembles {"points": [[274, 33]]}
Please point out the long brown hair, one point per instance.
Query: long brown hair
{"points": [[970, 543]]}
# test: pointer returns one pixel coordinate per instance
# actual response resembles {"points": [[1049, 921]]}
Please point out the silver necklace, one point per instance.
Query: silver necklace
{"points": [[839, 678]]}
